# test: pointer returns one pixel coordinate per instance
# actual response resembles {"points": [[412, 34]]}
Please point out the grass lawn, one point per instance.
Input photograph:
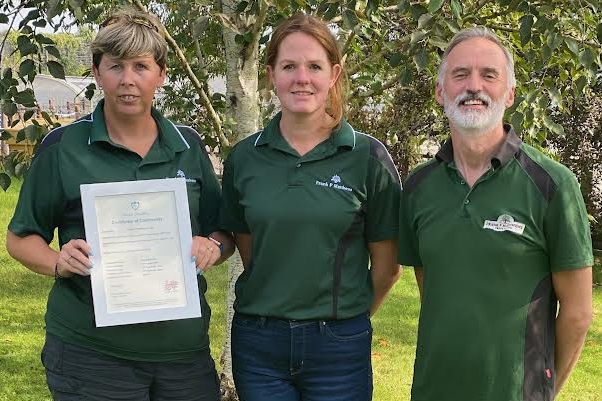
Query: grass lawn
{"points": [[23, 298]]}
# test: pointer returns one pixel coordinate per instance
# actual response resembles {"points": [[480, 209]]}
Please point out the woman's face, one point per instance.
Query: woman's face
{"points": [[302, 75], [129, 85]]}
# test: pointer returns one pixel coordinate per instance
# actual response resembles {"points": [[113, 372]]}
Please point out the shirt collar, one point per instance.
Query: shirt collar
{"points": [[342, 136], [168, 133], [509, 148]]}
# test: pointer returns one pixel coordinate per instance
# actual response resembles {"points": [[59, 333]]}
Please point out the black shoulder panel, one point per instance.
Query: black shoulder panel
{"points": [[415, 179], [380, 152], [540, 177], [55, 135]]}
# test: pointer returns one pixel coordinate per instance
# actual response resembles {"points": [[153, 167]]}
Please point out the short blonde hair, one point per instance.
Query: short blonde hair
{"points": [[130, 33], [316, 28]]}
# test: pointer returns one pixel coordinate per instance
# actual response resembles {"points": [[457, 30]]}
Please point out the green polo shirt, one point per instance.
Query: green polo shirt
{"points": [[310, 218], [82, 153], [487, 319]]}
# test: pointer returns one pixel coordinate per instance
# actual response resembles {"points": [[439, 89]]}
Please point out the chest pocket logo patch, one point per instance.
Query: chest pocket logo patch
{"points": [[505, 223], [335, 182]]}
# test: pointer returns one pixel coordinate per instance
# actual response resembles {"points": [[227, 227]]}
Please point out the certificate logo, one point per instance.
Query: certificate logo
{"points": [[135, 205], [171, 286]]}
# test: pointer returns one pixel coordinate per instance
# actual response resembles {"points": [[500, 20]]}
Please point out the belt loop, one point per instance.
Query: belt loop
{"points": [[322, 324], [262, 320]]}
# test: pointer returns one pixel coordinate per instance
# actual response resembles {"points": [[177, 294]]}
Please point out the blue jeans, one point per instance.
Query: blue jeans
{"points": [[288, 360], [76, 374]]}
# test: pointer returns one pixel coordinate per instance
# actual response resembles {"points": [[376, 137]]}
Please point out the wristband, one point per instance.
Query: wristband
{"points": [[56, 272], [219, 244]]}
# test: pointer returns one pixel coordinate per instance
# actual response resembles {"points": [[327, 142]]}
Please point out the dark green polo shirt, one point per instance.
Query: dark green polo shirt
{"points": [[82, 153], [310, 218], [488, 310]]}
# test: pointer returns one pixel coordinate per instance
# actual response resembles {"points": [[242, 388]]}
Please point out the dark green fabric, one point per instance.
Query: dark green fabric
{"points": [[484, 289], [82, 153], [311, 218]]}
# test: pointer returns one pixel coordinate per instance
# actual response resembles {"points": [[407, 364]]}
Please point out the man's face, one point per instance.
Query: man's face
{"points": [[475, 91]]}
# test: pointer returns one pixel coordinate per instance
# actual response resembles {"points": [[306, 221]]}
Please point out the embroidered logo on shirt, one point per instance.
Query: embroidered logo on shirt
{"points": [[135, 205], [335, 182], [505, 223], [180, 174]]}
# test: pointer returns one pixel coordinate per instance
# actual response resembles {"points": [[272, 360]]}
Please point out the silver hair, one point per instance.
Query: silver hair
{"points": [[472, 33]]}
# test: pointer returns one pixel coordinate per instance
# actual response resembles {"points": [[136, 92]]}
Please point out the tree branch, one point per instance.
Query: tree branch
{"points": [[215, 120]]}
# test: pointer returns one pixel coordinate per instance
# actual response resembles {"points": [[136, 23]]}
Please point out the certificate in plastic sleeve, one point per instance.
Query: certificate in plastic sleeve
{"points": [[140, 236]]}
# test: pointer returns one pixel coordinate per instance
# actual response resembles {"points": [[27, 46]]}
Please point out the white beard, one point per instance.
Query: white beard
{"points": [[474, 122]]}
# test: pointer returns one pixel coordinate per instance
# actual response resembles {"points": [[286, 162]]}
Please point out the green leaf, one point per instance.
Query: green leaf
{"points": [[421, 59], [33, 133], [543, 101], [53, 9], [516, 120], [5, 135], [20, 169], [425, 21], [44, 40], [555, 96], [599, 32], [20, 135], [9, 108], [417, 36], [9, 166], [572, 45], [526, 23], [26, 98], [242, 6], [26, 67], [435, 5], [4, 181], [456, 8], [546, 52], [580, 84], [553, 40], [28, 114], [395, 59], [53, 51], [47, 118], [405, 76], [586, 57], [25, 46], [56, 69], [438, 42], [403, 6], [552, 126], [350, 19], [3, 18]]}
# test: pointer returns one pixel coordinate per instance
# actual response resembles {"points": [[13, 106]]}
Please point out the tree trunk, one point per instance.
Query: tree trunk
{"points": [[243, 107]]}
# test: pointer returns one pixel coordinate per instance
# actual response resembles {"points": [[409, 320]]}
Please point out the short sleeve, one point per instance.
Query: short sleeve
{"points": [[210, 196], [41, 200], [231, 213], [407, 244], [567, 228], [384, 188]]}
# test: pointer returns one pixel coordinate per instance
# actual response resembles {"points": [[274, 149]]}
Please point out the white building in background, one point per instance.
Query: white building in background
{"points": [[64, 98]]}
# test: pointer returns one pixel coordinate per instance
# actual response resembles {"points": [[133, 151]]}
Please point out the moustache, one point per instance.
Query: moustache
{"points": [[473, 97]]}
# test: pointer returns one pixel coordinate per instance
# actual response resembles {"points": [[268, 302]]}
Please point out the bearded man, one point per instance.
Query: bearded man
{"points": [[499, 239]]}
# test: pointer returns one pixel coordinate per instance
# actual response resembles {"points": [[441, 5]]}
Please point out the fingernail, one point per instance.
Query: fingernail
{"points": [[193, 259]]}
